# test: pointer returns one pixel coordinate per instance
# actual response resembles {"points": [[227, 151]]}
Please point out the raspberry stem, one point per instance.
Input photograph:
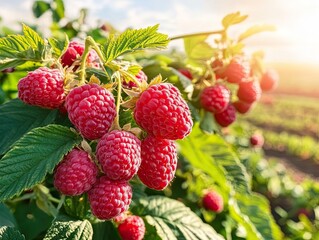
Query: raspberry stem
{"points": [[197, 34]]}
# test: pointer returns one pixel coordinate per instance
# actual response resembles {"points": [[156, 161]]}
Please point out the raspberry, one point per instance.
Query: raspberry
{"points": [[249, 92], [74, 51], [186, 73], [119, 154], [76, 173], [237, 70], [257, 140], [213, 201], [159, 161], [163, 113], [141, 77], [217, 65], [42, 87], [133, 228], [226, 117], [91, 109], [269, 80], [243, 107], [108, 198], [215, 98]]}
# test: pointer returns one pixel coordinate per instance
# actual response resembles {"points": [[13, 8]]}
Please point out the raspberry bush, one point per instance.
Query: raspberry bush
{"points": [[109, 144]]}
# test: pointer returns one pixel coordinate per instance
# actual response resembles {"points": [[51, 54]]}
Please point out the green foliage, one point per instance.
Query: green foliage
{"points": [[233, 18], [39, 8], [172, 220], [254, 30], [69, 229], [9, 233], [18, 118], [32, 157], [6, 217], [133, 40]]}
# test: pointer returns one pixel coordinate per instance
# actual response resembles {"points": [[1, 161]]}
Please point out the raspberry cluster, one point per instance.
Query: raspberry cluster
{"points": [[236, 74]]}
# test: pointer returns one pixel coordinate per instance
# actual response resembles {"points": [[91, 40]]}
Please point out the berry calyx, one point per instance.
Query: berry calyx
{"points": [[76, 173], [226, 117], [159, 162], [269, 80], [74, 52], [237, 70], [108, 198], [256, 140], [119, 153], [133, 228], [215, 98], [162, 112], [213, 201], [42, 87], [91, 109], [249, 92]]}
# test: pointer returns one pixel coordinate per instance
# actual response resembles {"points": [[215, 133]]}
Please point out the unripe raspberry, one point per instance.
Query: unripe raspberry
{"points": [[237, 70], [186, 73], [226, 117], [75, 174], [141, 77], [215, 98], [74, 51], [249, 91], [108, 198], [213, 201], [269, 80], [119, 154], [162, 112], [257, 140], [159, 161], [133, 228], [42, 87], [243, 107], [91, 109]]}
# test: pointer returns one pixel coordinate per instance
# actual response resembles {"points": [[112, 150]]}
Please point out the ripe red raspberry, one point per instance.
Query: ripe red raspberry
{"points": [[217, 65], [213, 201], [257, 140], [237, 70], [91, 109], [119, 154], [215, 98], [162, 112], [243, 107], [141, 77], [249, 91], [186, 73], [108, 198], [42, 87], [269, 80], [226, 117], [76, 173], [74, 51], [133, 228], [159, 161]]}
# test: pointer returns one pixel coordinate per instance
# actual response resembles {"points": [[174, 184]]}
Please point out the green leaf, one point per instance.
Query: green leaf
{"points": [[17, 118], [172, 220], [208, 123], [213, 155], [33, 156], [6, 217], [57, 7], [105, 230], [39, 8], [252, 211], [198, 50], [77, 206], [254, 30], [233, 18], [17, 49], [65, 228], [132, 40], [59, 46], [9, 233]]}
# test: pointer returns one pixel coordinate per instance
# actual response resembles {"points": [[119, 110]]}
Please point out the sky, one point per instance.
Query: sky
{"points": [[295, 40]]}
